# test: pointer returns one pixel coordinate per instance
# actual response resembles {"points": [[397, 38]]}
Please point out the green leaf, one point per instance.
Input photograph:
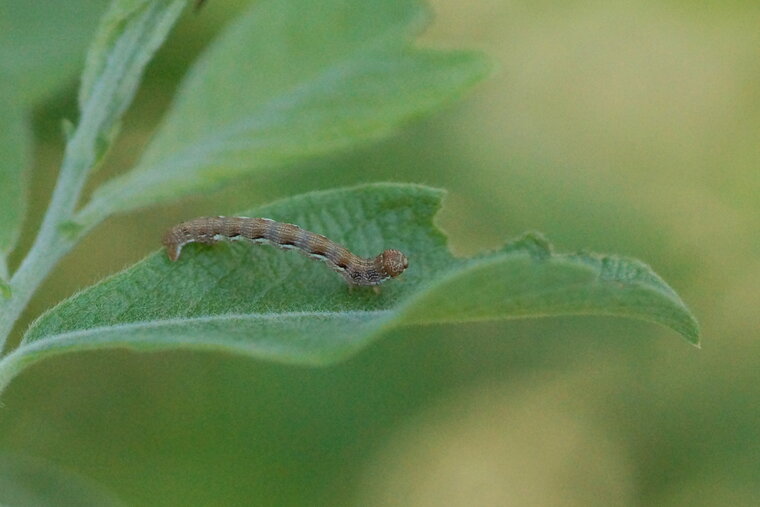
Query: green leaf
{"points": [[42, 44], [263, 302], [291, 80], [15, 142], [28, 481], [128, 36]]}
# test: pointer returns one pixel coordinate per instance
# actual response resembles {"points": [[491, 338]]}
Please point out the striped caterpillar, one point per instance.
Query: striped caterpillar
{"points": [[354, 269]]}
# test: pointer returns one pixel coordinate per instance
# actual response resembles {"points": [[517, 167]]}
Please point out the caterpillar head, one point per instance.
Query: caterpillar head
{"points": [[394, 262]]}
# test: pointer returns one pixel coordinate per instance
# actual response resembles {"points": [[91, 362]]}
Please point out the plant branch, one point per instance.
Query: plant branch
{"points": [[51, 242], [129, 35]]}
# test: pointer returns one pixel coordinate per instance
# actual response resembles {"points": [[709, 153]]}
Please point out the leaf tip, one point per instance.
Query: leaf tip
{"points": [[693, 334]]}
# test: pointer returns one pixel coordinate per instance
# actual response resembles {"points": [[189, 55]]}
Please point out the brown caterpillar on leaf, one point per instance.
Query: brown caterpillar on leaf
{"points": [[354, 269]]}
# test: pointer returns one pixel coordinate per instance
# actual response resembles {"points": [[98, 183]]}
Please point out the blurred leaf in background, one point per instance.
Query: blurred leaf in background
{"points": [[285, 82], [15, 148], [42, 44]]}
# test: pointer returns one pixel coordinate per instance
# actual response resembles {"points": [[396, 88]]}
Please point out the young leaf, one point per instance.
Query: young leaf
{"points": [[128, 36], [15, 140], [288, 81], [258, 301]]}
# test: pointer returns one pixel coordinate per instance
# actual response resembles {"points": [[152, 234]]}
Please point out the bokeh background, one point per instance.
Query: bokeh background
{"points": [[627, 126]]}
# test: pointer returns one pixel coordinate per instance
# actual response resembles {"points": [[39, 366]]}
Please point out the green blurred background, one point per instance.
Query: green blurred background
{"points": [[629, 127]]}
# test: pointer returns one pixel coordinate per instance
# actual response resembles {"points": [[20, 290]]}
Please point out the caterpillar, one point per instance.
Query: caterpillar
{"points": [[354, 269]]}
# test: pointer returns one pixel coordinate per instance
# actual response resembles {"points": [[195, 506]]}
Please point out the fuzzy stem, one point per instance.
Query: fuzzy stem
{"points": [[51, 242]]}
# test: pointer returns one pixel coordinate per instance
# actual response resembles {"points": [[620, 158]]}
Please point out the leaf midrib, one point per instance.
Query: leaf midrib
{"points": [[183, 321]]}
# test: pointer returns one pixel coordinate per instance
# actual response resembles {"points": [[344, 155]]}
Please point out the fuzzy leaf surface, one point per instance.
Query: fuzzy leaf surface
{"points": [[278, 305]]}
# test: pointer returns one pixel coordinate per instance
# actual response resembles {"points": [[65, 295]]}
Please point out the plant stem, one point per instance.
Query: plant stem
{"points": [[51, 243]]}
